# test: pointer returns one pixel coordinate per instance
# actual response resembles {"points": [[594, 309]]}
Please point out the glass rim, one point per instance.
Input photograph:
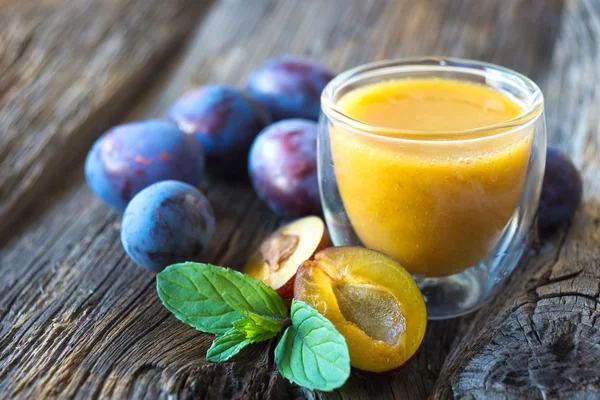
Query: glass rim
{"points": [[529, 114]]}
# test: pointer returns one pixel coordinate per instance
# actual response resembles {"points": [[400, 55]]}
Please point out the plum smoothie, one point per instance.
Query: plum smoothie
{"points": [[436, 209]]}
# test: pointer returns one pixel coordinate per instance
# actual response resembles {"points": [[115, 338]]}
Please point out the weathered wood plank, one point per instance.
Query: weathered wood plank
{"points": [[541, 337], [67, 68], [78, 319]]}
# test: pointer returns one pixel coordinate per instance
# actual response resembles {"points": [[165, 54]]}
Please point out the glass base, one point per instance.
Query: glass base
{"points": [[459, 294], [451, 296], [455, 295]]}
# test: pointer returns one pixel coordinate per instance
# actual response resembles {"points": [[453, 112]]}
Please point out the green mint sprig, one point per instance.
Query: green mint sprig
{"points": [[241, 310], [206, 297]]}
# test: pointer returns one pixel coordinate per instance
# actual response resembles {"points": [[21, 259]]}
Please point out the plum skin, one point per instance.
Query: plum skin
{"points": [[290, 86], [223, 120], [167, 223], [562, 190], [130, 157], [283, 168]]}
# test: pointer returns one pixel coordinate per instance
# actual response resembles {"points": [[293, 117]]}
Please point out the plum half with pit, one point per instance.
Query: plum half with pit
{"points": [[283, 167], [130, 157], [224, 120], [290, 86], [370, 299], [167, 223], [561, 191], [278, 258]]}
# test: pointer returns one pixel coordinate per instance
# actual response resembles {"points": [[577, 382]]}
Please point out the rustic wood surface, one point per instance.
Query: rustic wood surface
{"points": [[78, 319]]}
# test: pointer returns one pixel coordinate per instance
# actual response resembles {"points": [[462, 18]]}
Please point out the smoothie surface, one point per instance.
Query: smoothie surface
{"points": [[428, 105]]}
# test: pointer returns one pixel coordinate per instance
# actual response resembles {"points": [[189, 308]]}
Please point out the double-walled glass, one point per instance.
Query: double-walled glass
{"points": [[454, 208]]}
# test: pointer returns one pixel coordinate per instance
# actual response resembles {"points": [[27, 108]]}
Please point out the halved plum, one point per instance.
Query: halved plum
{"points": [[280, 255], [371, 300]]}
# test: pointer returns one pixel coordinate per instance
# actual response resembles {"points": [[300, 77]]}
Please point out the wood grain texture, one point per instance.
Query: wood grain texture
{"points": [[66, 69], [78, 319], [541, 337]]}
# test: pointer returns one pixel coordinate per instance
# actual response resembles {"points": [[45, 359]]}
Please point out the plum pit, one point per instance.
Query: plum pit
{"points": [[278, 248], [278, 258], [373, 310]]}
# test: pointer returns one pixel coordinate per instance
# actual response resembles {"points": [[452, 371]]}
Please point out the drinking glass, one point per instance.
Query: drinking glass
{"points": [[454, 208]]}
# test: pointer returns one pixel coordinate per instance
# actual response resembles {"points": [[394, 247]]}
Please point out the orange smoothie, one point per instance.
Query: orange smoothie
{"points": [[412, 188]]}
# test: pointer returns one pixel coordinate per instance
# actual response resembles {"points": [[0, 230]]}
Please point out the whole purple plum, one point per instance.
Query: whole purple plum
{"points": [[561, 191], [224, 120], [130, 157], [290, 86], [167, 223], [283, 167]]}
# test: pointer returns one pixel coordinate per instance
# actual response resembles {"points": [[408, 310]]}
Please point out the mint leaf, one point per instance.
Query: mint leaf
{"points": [[312, 353], [195, 292], [259, 329], [226, 346], [255, 325], [244, 332]]}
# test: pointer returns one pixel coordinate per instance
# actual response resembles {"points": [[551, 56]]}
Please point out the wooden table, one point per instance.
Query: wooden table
{"points": [[79, 319]]}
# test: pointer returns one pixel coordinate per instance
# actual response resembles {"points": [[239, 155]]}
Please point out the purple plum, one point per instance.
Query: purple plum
{"points": [[224, 120], [130, 157], [283, 167], [561, 191], [167, 223], [290, 86]]}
